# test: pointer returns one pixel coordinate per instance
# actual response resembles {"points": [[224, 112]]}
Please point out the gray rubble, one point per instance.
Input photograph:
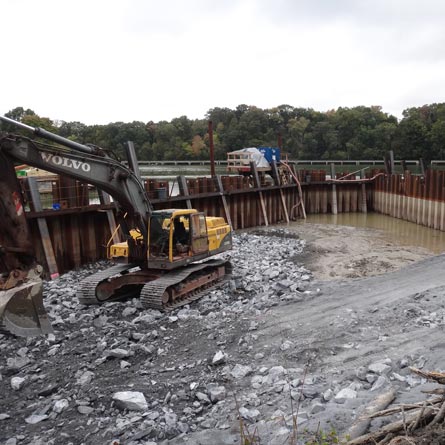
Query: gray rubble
{"points": [[118, 373], [130, 400]]}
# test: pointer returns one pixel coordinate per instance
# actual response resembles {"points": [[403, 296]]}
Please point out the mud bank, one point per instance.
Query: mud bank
{"points": [[338, 252]]}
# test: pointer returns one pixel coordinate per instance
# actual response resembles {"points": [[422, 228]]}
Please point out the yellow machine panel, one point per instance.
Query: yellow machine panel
{"points": [[179, 236]]}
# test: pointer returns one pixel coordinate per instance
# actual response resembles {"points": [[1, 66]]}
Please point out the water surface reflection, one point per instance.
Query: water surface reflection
{"points": [[397, 230]]}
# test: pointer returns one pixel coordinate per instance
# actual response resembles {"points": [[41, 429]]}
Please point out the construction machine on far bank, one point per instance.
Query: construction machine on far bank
{"points": [[163, 258]]}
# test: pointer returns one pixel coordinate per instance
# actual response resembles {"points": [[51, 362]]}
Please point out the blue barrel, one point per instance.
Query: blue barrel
{"points": [[270, 153]]}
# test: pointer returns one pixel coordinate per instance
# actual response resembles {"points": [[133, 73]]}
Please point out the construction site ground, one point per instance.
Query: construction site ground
{"points": [[312, 310]]}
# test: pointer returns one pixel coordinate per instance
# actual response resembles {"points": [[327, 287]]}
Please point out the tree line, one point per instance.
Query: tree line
{"points": [[345, 133]]}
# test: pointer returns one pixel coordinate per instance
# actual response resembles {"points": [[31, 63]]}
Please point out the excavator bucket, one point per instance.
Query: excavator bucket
{"points": [[21, 288], [22, 312]]}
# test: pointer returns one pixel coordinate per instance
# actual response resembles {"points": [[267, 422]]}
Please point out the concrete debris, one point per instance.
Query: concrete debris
{"points": [[60, 405], [128, 311], [379, 368], [118, 353], [85, 378], [250, 415], [219, 358], [275, 374], [216, 393], [345, 394], [85, 409], [17, 383], [286, 345], [202, 397], [131, 400], [379, 383], [17, 363], [36, 418], [263, 341], [240, 371]]}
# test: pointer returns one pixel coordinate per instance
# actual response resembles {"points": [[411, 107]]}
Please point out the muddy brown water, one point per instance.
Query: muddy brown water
{"points": [[402, 232]]}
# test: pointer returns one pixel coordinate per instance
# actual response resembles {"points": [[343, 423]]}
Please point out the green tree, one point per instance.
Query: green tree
{"points": [[19, 113]]}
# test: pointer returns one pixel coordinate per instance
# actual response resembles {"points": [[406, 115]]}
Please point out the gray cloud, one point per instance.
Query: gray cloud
{"points": [[392, 31], [380, 13], [173, 16], [315, 53]]}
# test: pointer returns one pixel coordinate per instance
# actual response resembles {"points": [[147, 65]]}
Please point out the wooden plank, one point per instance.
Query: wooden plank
{"points": [[283, 208], [183, 189], [56, 231], [74, 237], [220, 189], [43, 229], [257, 184]]}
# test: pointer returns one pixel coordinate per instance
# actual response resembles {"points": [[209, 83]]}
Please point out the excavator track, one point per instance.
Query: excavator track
{"points": [[87, 292], [197, 278], [166, 292]]}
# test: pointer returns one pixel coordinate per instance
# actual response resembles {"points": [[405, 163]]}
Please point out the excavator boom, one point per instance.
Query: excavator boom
{"points": [[104, 172]]}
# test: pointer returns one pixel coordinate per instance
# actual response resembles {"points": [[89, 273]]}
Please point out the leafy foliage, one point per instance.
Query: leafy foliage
{"points": [[324, 438], [346, 133]]}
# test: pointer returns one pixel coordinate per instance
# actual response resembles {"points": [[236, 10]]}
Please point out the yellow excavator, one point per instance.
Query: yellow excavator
{"points": [[164, 255]]}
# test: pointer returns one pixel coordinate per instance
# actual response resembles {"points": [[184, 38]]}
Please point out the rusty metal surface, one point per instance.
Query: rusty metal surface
{"points": [[21, 306], [21, 301], [16, 243], [14, 278], [79, 240], [22, 312], [165, 292]]}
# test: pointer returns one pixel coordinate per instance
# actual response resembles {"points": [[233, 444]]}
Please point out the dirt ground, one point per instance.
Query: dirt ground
{"points": [[336, 252], [321, 310], [374, 301], [369, 273]]}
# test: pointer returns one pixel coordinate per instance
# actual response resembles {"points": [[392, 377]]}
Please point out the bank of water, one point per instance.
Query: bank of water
{"points": [[395, 230]]}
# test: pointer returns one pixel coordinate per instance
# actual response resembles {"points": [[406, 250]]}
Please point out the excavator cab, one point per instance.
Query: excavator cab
{"points": [[178, 237]]}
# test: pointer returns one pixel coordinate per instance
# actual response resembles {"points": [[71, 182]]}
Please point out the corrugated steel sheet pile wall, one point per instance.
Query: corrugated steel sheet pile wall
{"points": [[78, 226], [419, 199]]}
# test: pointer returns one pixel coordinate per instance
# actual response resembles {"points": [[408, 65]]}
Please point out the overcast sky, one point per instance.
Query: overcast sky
{"points": [[101, 61]]}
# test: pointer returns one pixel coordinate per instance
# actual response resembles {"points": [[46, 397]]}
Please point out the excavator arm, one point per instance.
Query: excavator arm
{"points": [[103, 172], [21, 300]]}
